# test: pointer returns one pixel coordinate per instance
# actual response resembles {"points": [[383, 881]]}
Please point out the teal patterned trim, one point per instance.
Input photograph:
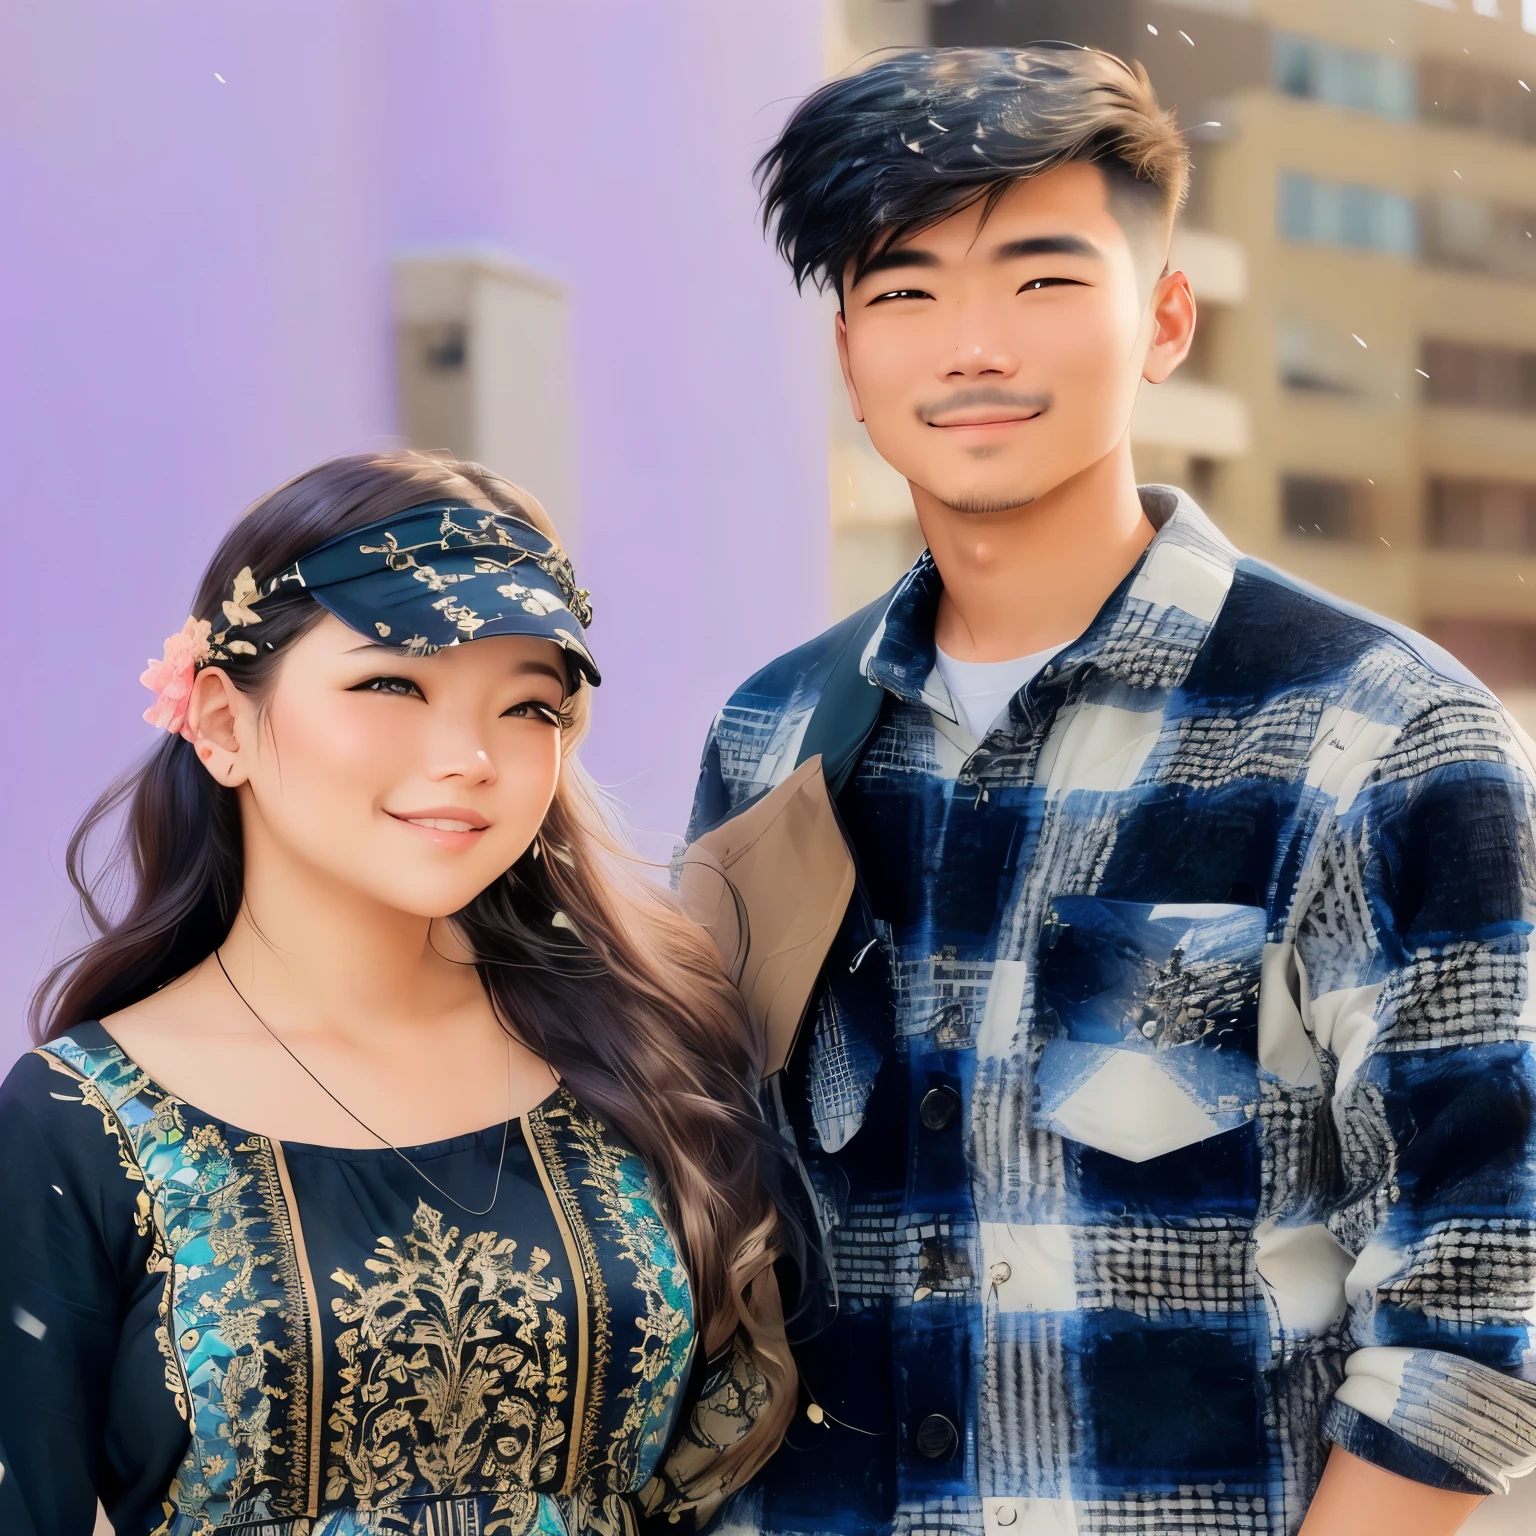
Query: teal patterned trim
{"points": [[608, 1198], [235, 1318]]}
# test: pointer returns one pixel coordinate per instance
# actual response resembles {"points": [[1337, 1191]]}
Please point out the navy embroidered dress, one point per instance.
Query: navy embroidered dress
{"points": [[212, 1330]]}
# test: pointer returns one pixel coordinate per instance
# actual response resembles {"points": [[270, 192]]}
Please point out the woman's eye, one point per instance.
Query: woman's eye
{"points": [[534, 709], [1035, 284], [401, 687]]}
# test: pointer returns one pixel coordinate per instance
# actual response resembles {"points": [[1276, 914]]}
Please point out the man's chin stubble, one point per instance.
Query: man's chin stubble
{"points": [[980, 506]]}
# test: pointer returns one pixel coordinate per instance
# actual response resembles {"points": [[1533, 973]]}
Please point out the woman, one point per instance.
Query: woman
{"points": [[391, 1162]]}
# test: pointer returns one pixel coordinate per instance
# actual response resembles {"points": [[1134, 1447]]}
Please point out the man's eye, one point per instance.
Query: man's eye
{"points": [[401, 687], [1036, 283], [534, 709], [901, 293]]}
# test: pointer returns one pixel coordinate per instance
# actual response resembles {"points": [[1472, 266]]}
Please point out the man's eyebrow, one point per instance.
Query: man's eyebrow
{"points": [[1048, 245], [898, 256]]}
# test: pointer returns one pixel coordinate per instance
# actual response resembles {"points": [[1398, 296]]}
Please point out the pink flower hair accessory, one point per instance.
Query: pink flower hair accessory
{"points": [[170, 678]]}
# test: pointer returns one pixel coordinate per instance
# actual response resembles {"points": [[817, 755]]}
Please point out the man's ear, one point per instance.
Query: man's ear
{"points": [[840, 330], [213, 718], [1173, 327]]}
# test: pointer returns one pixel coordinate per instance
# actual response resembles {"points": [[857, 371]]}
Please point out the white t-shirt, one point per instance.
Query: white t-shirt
{"points": [[981, 689]]}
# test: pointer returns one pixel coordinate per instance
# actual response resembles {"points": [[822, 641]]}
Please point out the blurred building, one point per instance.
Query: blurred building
{"points": [[1361, 235]]}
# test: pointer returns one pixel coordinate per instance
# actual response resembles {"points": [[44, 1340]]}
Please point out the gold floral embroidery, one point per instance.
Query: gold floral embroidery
{"points": [[451, 1373], [158, 1260], [233, 1324], [594, 1328]]}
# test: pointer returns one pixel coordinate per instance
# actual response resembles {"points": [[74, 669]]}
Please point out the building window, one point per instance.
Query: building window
{"points": [[1460, 95], [1335, 213], [1343, 77], [1316, 507], [1321, 360], [1474, 236], [1480, 378], [1482, 514], [1502, 652]]}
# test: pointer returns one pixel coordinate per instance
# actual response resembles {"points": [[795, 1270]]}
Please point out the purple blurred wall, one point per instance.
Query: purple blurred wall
{"points": [[194, 304]]}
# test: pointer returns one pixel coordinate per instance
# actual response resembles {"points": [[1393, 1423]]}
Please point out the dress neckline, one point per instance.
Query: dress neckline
{"points": [[416, 1151]]}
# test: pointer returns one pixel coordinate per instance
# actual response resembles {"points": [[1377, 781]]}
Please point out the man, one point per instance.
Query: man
{"points": [[1166, 1100]]}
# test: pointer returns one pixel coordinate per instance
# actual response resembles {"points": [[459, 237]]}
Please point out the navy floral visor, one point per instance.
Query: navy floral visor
{"points": [[443, 573]]}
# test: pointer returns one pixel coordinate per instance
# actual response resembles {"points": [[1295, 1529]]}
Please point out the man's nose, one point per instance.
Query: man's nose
{"points": [[979, 351]]}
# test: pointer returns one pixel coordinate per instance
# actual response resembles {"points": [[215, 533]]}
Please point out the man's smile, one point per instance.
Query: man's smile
{"points": [[983, 409]]}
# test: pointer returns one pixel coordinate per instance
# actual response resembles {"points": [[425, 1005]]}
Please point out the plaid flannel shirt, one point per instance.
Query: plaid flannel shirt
{"points": [[1181, 1117]]}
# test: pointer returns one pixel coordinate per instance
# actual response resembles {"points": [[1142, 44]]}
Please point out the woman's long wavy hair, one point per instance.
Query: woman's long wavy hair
{"points": [[628, 1003]]}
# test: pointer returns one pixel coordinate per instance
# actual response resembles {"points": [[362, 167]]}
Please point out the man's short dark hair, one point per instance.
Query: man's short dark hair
{"points": [[874, 157]]}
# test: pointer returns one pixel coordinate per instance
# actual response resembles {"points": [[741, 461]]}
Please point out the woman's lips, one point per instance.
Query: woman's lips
{"points": [[447, 825]]}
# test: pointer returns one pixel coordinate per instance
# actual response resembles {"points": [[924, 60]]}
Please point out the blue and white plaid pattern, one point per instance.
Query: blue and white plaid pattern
{"points": [[1193, 1125]]}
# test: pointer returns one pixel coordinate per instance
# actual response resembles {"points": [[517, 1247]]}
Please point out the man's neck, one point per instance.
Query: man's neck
{"points": [[1032, 577]]}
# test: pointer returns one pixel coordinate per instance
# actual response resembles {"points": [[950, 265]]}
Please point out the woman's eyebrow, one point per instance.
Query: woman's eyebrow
{"points": [[546, 668]]}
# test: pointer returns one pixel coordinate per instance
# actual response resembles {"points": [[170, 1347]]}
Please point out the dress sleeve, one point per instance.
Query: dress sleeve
{"points": [[67, 1234], [1418, 945], [725, 1397], [737, 1405]]}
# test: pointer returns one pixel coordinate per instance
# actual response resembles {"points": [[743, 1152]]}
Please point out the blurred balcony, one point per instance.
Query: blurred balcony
{"points": [[1196, 420], [1217, 268]]}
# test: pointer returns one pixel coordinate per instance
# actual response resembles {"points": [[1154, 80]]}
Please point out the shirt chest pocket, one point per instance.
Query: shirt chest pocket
{"points": [[1150, 1022]]}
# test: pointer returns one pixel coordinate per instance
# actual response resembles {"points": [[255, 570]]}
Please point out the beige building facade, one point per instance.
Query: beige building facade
{"points": [[1360, 405]]}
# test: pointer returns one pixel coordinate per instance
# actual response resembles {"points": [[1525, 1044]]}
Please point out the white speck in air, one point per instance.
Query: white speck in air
{"points": [[1384, 541], [1187, 38], [1522, 578], [1151, 29], [1421, 373], [1523, 86], [1212, 124], [1396, 396], [1369, 481], [1358, 339], [27, 1323], [1456, 174], [220, 78], [55, 1188]]}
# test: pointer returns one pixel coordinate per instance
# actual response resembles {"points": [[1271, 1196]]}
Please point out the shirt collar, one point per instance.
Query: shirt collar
{"points": [[1147, 634]]}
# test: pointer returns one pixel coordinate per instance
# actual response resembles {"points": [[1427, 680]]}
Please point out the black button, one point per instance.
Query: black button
{"points": [[939, 1108], [936, 1437]]}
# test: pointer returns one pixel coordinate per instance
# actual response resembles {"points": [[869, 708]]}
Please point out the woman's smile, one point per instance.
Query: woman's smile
{"points": [[447, 825]]}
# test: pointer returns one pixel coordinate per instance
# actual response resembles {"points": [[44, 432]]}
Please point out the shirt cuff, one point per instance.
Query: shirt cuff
{"points": [[1350, 1430], [1432, 1410]]}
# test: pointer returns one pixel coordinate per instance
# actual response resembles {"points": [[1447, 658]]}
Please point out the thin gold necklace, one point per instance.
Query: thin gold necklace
{"points": [[421, 1173]]}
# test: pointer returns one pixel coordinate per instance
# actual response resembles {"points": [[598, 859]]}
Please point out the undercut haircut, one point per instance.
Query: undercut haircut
{"points": [[873, 158]]}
